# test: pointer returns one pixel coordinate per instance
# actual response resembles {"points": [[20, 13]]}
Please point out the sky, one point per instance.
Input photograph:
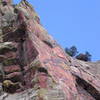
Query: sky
{"points": [[72, 22]]}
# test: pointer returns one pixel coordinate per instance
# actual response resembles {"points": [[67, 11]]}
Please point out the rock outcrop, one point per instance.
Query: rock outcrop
{"points": [[33, 66]]}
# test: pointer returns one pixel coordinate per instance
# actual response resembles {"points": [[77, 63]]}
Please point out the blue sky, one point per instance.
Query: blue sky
{"points": [[72, 22]]}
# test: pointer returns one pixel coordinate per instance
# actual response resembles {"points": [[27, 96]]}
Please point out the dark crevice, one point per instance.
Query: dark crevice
{"points": [[15, 36], [4, 3], [41, 69], [1, 78], [21, 56], [7, 49], [14, 79], [88, 87], [48, 43]]}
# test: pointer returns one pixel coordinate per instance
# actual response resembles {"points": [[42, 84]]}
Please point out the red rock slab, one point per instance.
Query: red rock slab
{"points": [[87, 76], [10, 54], [13, 68], [14, 74]]}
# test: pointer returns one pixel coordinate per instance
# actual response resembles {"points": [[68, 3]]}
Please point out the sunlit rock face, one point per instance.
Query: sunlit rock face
{"points": [[33, 66]]}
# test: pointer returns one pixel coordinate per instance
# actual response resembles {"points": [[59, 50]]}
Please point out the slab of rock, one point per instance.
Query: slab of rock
{"points": [[33, 60]]}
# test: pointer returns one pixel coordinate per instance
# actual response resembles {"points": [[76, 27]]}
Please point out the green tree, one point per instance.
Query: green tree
{"points": [[72, 51], [89, 56], [85, 57]]}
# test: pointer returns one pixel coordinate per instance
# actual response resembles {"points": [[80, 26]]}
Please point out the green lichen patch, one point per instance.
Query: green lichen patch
{"points": [[6, 47], [9, 62]]}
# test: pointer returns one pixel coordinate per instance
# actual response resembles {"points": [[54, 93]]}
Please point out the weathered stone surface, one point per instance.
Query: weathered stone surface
{"points": [[32, 60], [13, 68], [6, 47]]}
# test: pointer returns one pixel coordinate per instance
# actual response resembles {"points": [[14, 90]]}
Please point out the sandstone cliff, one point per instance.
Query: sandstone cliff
{"points": [[33, 66]]}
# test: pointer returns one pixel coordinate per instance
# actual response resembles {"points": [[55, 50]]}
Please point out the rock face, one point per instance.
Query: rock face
{"points": [[33, 66]]}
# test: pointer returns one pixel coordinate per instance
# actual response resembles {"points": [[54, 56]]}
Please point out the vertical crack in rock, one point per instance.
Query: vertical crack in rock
{"points": [[21, 55]]}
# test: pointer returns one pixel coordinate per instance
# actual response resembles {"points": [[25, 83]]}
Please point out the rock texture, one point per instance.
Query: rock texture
{"points": [[33, 66]]}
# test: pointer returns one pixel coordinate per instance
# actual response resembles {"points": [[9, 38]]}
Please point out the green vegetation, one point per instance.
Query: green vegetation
{"points": [[72, 51]]}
